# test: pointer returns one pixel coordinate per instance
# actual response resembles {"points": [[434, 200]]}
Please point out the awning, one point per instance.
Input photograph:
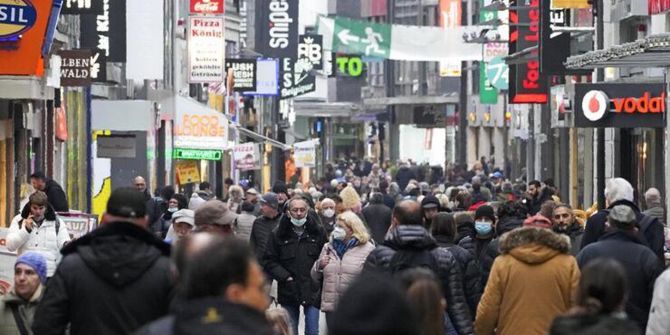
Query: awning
{"points": [[652, 51], [325, 109], [24, 87], [410, 100], [262, 138]]}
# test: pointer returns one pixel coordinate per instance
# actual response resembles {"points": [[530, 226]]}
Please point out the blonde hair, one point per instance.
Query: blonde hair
{"points": [[353, 222], [280, 320]]}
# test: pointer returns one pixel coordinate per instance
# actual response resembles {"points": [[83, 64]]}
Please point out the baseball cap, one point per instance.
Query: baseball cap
{"points": [[214, 212], [127, 202], [184, 216], [270, 199]]}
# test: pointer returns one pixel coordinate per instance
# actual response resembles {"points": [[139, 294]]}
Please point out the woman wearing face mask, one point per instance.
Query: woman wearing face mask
{"points": [[341, 260], [480, 245], [177, 201], [327, 214]]}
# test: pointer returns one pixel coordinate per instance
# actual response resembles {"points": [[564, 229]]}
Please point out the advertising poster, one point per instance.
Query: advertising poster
{"points": [[247, 156], [206, 49], [304, 154], [244, 74], [188, 172], [7, 260], [277, 28]]}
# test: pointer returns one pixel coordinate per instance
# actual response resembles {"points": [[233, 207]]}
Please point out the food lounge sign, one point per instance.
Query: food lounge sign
{"points": [[200, 129], [620, 105]]}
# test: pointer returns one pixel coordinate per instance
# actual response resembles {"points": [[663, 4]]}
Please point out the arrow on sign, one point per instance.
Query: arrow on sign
{"points": [[345, 37]]}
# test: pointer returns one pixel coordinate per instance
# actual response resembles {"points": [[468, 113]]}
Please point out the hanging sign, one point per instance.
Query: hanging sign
{"points": [[75, 67], [199, 127], [207, 7], [487, 93], [247, 156], [620, 105], [349, 65], [206, 49], [267, 78], [497, 73], [310, 47], [304, 154], [296, 78], [450, 17], [197, 154], [277, 28], [188, 172], [98, 66], [106, 31], [244, 74], [77, 7]]}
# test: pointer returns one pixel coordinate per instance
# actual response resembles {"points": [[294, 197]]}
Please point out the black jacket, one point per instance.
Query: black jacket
{"points": [[405, 237], [593, 325], [111, 281], [650, 231], [642, 268], [403, 176], [389, 201], [260, 232], [288, 255], [56, 196], [484, 251], [378, 217], [471, 273], [575, 233], [210, 316]]}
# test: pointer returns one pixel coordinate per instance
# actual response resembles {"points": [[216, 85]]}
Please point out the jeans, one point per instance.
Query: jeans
{"points": [[311, 318]]}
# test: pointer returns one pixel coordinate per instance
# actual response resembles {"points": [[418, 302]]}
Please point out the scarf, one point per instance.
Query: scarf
{"points": [[341, 247]]}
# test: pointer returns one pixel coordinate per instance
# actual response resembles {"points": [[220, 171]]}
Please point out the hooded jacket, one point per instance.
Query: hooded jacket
{"points": [[408, 237], [26, 310], [43, 239], [289, 255], [532, 281], [650, 232], [472, 275], [641, 265], [111, 281]]}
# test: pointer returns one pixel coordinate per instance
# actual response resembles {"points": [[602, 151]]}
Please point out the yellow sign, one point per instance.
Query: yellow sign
{"points": [[570, 4], [188, 172]]}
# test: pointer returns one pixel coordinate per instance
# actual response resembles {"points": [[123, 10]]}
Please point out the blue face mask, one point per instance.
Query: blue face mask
{"points": [[483, 227]]}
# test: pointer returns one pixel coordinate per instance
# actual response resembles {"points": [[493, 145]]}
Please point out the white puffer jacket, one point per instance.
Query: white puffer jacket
{"points": [[42, 239], [339, 273]]}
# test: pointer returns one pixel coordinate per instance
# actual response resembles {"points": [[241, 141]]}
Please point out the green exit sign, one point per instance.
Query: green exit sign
{"points": [[209, 155]]}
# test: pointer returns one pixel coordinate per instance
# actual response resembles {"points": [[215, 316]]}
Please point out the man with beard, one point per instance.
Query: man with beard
{"points": [[564, 222]]}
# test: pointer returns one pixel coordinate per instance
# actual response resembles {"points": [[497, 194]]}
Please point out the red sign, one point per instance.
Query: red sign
{"points": [[620, 105], [658, 6], [207, 6], [61, 124]]}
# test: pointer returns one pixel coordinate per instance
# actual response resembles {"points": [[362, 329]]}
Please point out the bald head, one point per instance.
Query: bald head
{"points": [[408, 212], [140, 184]]}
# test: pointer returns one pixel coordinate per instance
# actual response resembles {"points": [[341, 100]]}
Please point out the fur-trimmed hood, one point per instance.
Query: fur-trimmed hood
{"points": [[534, 245]]}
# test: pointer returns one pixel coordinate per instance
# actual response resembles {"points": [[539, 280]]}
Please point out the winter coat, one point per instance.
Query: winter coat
{"points": [[378, 218], [111, 281], [42, 239], [659, 317], [403, 176], [328, 223], [339, 273], [508, 223], [56, 196], [485, 252], [532, 281], [260, 232], [210, 316], [408, 237], [538, 220], [289, 255], [389, 201], [26, 310], [642, 268], [656, 212], [575, 233], [651, 234], [243, 225], [472, 275], [594, 325]]}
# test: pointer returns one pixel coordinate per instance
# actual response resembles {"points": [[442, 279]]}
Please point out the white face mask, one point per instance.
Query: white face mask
{"points": [[173, 209], [339, 233], [329, 212]]}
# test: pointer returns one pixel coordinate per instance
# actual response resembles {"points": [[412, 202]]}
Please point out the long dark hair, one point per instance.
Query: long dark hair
{"points": [[603, 287], [444, 225], [425, 298]]}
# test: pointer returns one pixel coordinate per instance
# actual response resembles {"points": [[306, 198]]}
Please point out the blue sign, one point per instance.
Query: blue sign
{"points": [[16, 17]]}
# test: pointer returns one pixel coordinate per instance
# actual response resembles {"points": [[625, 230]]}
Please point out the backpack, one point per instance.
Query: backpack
{"points": [[408, 259]]}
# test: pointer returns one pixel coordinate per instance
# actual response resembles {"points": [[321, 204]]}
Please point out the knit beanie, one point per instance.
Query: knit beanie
{"points": [[485, 211], [36, 261]]}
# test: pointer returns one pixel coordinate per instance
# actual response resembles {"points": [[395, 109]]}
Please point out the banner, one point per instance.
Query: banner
{"points": [[450, 17], [244, 74], [145, 50], [206, 49], [247, 156], [398, 42], [658, 6], [200, 7], [78, 7], [75, 67], [106, 31], [188, 172], [277, 28], [304, 154]]}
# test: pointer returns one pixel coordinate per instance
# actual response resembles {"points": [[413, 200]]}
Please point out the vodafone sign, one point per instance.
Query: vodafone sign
{"points": [[207, 6], [620, 105]]}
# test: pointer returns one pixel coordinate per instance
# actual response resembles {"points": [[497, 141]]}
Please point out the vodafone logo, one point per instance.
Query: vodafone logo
{"points": [[595, 104]]}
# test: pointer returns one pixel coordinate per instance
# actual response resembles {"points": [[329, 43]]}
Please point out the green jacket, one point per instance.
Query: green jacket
{"points": [[26, 311]]}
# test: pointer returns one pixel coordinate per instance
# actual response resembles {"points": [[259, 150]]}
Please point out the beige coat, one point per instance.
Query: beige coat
{"points": [[339, 273]]}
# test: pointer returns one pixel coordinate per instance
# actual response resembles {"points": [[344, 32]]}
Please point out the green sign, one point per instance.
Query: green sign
{"points": [[486, 15], [350, 65], [362, 37], [487, 93], [497, 73], [198, 154]]}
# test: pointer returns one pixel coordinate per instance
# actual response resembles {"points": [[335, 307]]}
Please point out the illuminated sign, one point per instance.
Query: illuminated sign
{"points": [[350, 65], [209, 155], [16, 17], [207, 6], [620, 105]]}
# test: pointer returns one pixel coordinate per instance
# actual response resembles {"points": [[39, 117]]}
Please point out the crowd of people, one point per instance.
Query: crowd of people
{"points": [[377, 249]]}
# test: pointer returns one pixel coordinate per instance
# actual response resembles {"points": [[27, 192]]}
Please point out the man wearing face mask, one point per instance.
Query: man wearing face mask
{"points": [[327, 215], [291, 251], [480, 246], [564, 222]]}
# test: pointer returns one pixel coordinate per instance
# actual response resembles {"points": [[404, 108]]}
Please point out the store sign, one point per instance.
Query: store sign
{"points": [[527, 84], [98, 66], [247, 156], [658, 6], [77, 7], [207, 7], [304, 154], [296, 78], [554, 46], [620, 105], [277, 28], [75, 67], [188, 172], [197, 154], [106, 31], [206, 49], [488, 94], [16, 17], [201, 128], [244, 74], [351, 66], [310, 47], [497, 73]]}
